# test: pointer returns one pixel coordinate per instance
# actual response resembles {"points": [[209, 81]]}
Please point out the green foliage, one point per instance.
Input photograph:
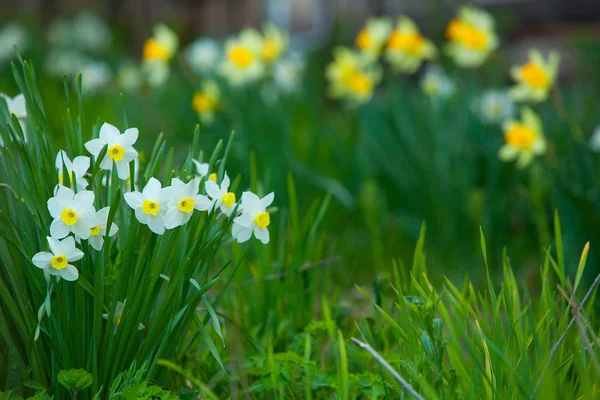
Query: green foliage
{"points": [[75, 379]]}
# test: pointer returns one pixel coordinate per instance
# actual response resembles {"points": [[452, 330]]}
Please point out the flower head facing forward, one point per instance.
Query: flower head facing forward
{"points": [[72, 213], [203, 55], [243, 62], [162, 45], [371, 38], [436, 84], [221, 197], [120, 148], [76, 168], [57, 261], [352, 76], [406, 48], [150, 205], [472, 37], [97, 232], [254, 219], [535, 78], [206, 101], [183, 200], [524, 139]]}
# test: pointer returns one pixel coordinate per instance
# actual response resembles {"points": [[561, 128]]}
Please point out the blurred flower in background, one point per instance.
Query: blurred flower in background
{"points": [[157, 54], [472, 37], [243, 61], [203, 55], [11, 36], [129, 77], [595, 140], [524, 139], [352, 76], [90, 33], [288, 72], [274, 43], [494, 106], [436, 84], [534, 78], [371, 39], [406, 49], [95, 76], [206, 101]]}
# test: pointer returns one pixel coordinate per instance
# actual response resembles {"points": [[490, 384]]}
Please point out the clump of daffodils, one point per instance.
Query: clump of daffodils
{"points": [[75, 218], [406, 48], [494, 106], [352, 76], [535, 78], [471, 37], [524, 139], [373, 36], [157, 54]]}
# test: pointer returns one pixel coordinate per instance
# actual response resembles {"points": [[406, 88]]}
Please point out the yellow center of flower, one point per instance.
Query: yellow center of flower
{"points": [[364, 40], [213, 177], [153, 50], [186, 205], [409, 42], [59, 262], [240, 56], [263, 219], [229, 199], [68, 216], [117, 320], [360, 84], [534, 76], [202, 102], [520, 136], [95, 230], [116, 152], [467, 35], [150, 207], [269, 50]]}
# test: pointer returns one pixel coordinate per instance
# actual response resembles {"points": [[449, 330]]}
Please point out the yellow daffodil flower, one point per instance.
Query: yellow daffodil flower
{"points": [[206, 101], [406, 48], [524, 139], [372, 37], [534, 78], [274, 44], [472, 37], [352, 75], [243, 58]]}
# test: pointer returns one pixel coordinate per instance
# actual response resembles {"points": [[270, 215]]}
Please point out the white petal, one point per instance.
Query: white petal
{"points": [[213, 190], [109, 133], [76, 254], [225, 184], [113, 229], [243, 234], [94, 146], [191, 188], [156, 225], [102, 215], [58, 163], [18, 106], [54, 207], [153, 188], [129, 137], [106, 163], [69, 273], [262, 234], [172, 218], [64, 195], [42, 259], [58, 229], [267, 200], [134, 199], [54, 244], [84, 201], [81, 229], [202, 203], [81, 165], [251, 203], [123, 170], [66, 246], [96, 242]]}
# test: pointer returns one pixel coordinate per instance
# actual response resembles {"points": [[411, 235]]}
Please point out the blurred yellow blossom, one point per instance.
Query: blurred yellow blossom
{"points": [[406, 48], [372, 37], [524, 139], [274, 43], [352, 76], [243, 58], [157, 53], [534, 78], [472, 37], [206, 101]]}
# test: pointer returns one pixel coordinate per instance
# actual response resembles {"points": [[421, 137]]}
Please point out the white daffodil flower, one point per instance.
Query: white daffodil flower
{"points": [[202, 168], [97, 233], [150, 205], [78, 168], [12, 35], [72, 213], [203, 55], [184, 198], [254, 219], [120, 148], [119, 314], [16, 105], [221, 197], [288, 72], [524, 139], [243, 62], [436, 84], [595, 140], [494, 106], [56, 262]]}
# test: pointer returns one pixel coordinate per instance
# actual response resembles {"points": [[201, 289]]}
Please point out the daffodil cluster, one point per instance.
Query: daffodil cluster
{"points": [[471, 36], [75, 217]]}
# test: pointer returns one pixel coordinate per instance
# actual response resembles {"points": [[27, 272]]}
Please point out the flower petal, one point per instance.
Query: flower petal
{"points": [[58, 229], [109, 133], [94, 146], [262, 234], [42, 259], [129, 137], [69, 273]]}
